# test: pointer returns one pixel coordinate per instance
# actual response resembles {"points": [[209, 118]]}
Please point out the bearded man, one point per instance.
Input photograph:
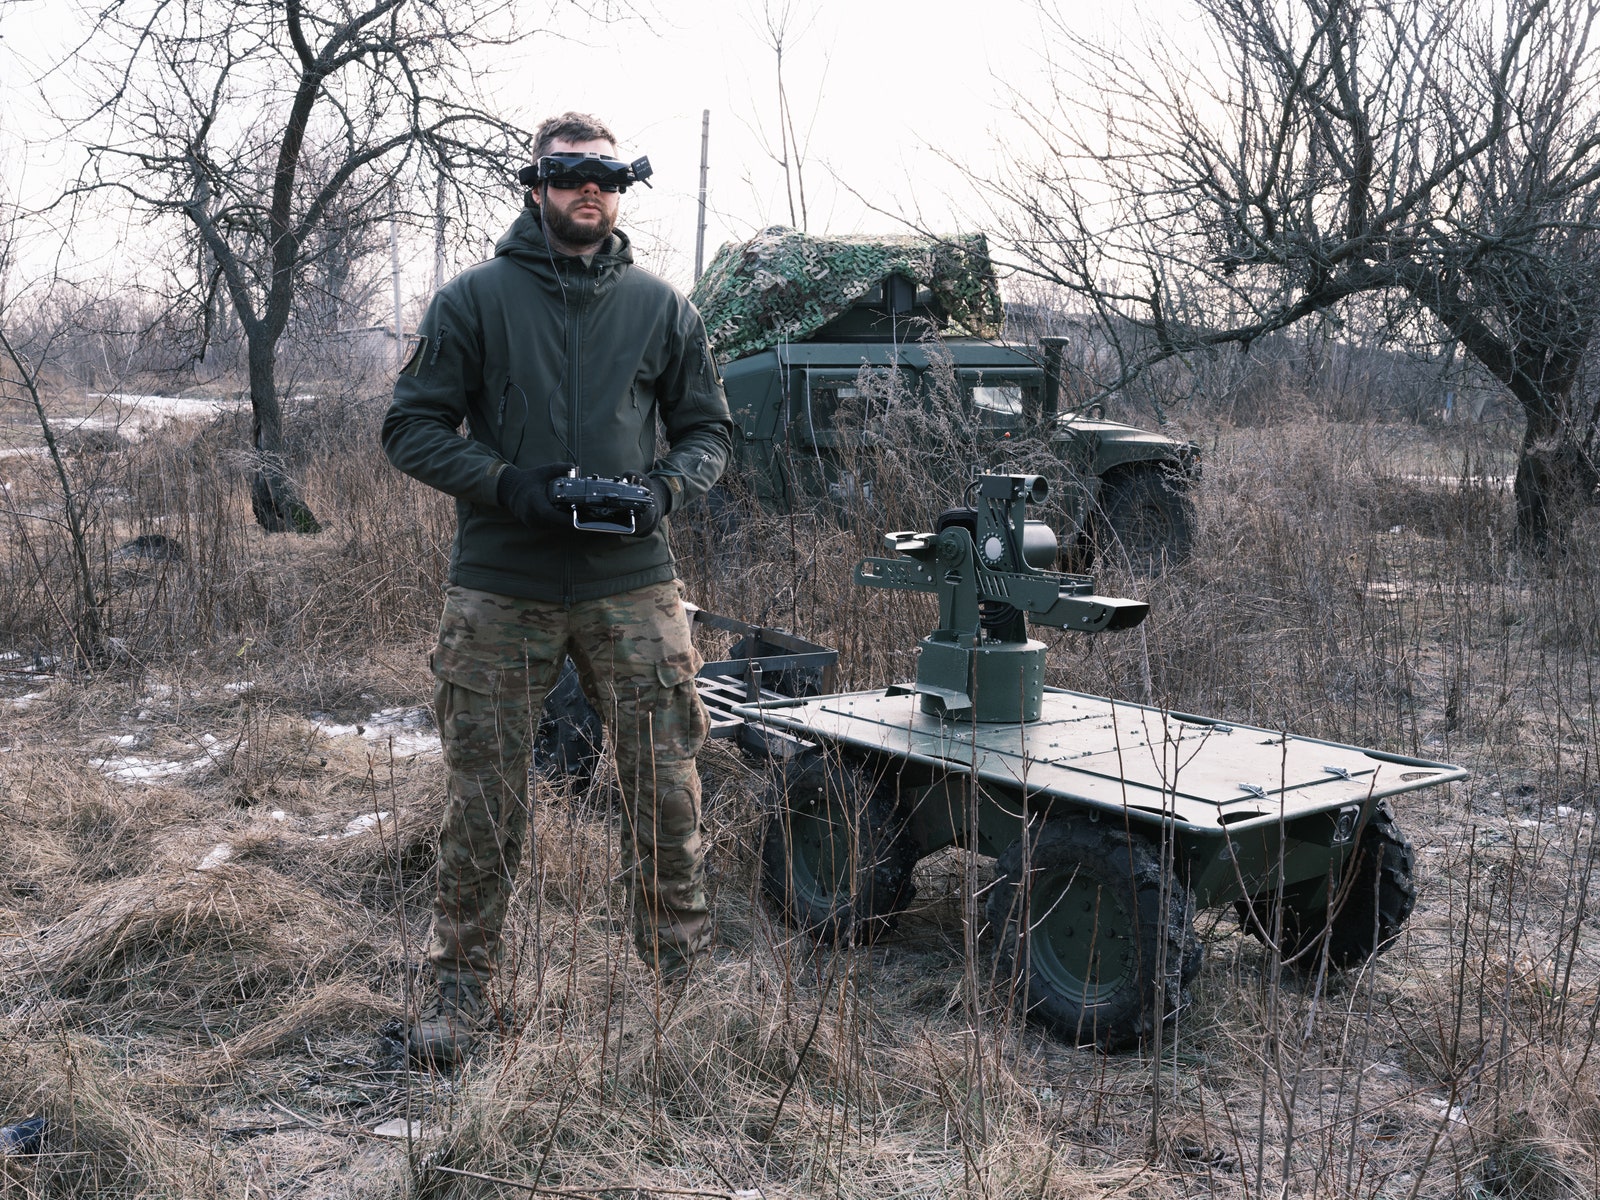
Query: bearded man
{"points": [[559, 356]]}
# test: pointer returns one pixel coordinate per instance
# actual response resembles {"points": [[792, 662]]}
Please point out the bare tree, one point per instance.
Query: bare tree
{"points": [[1428, 166], [788, 150], [23, 359], [270, 133]]}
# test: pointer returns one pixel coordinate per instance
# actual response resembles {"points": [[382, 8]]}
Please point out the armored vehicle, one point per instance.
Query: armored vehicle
{"points": [[1109, 822], [806, 327]]}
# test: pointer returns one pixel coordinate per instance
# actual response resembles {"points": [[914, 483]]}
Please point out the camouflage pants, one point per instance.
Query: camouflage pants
{"points": [[496, 658]]}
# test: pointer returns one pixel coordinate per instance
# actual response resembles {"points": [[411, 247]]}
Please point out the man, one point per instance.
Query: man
{"points": [[560, 355]]}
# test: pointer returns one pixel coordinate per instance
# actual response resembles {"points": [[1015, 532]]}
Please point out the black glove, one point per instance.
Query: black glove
{"points": [[525, 494], [644, 523]]}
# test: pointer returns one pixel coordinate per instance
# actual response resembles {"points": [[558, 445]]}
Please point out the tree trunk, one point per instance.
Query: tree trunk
{"points": [[1555, 478], [273, 495]]}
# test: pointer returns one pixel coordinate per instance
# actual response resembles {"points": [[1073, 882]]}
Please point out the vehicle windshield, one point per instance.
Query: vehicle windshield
{"points": [[1007, 398]]}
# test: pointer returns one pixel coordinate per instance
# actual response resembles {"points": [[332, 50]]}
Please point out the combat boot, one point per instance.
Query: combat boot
{"points": [[443, 1033]]}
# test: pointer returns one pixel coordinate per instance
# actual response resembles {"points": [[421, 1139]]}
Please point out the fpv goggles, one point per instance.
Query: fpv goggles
{"points": [[572, 171]]}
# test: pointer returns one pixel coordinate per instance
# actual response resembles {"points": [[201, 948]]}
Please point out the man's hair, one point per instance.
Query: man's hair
{"points": [[569, 127]]}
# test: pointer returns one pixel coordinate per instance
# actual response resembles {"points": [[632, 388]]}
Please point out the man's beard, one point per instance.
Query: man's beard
{"points": [[566, 230]]}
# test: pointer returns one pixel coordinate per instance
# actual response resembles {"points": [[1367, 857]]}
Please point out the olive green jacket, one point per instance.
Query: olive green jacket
{"points": [[546, 359]]}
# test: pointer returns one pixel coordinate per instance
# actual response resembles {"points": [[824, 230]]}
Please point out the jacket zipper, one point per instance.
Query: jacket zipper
{"points": [[574, 391]]}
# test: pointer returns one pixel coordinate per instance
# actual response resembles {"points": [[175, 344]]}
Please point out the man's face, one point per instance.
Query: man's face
{"points": [[580, 217]]}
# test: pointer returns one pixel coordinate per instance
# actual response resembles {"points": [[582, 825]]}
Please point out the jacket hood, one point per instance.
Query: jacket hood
{"points": [[525, 243]]}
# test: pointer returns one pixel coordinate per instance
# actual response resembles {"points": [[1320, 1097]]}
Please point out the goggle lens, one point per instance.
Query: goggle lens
{"points": [[572, 183]]}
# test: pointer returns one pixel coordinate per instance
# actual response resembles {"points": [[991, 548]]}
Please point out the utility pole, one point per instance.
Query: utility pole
{"points": [[438, 231], [394, 273], [700, 229]]}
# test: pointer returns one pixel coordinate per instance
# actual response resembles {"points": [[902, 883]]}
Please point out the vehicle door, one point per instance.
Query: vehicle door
{"points": [[832, 415]]}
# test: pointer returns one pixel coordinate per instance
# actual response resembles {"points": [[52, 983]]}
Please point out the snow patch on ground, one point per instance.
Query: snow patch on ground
{"points": [[135, 416], [1496, 483], [411, 729], [365, 823], [130, 768], [215, 857]]}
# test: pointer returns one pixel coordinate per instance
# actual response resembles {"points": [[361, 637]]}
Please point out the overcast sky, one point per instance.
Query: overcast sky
{"points": [[886, 91], [885, 86], [901, 99]]}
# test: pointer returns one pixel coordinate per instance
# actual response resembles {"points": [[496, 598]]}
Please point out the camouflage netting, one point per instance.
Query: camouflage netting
{"points": [[783, 285]]}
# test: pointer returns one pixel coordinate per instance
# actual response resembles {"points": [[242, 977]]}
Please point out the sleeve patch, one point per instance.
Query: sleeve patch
{"points": [[416, 347]]}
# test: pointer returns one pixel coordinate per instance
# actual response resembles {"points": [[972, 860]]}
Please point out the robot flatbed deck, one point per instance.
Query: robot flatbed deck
{"points": [[1112, 755]]}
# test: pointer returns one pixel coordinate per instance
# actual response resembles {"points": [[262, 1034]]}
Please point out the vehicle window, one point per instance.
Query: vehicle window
{"points": [[817, 405], [1006, 398], [1000, 403], [825, 400]]}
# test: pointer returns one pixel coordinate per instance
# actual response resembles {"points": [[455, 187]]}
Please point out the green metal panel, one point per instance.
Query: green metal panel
{"points": [[1005, 679]]}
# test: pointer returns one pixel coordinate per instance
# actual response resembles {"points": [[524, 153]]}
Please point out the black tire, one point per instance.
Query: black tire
{"points": [[1090, 947], [835, 856], [1370, 912], [571, 736], [1146, 517]]}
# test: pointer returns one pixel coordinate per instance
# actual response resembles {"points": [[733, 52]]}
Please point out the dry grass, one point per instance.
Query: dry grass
{"points": [[216, 1032]]}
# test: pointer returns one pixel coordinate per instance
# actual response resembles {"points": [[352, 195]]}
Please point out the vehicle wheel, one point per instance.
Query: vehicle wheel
{"points": [[1370, 912], [835, 855], [571, 735], [1087, 944], [1147, 519]]}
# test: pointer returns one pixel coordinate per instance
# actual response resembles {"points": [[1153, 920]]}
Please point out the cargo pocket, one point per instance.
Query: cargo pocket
{"points": [[478, 673], [679, 669], [681, 722]]}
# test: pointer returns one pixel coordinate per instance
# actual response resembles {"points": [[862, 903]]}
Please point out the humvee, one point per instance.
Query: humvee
{"points": [[802, 325]]}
